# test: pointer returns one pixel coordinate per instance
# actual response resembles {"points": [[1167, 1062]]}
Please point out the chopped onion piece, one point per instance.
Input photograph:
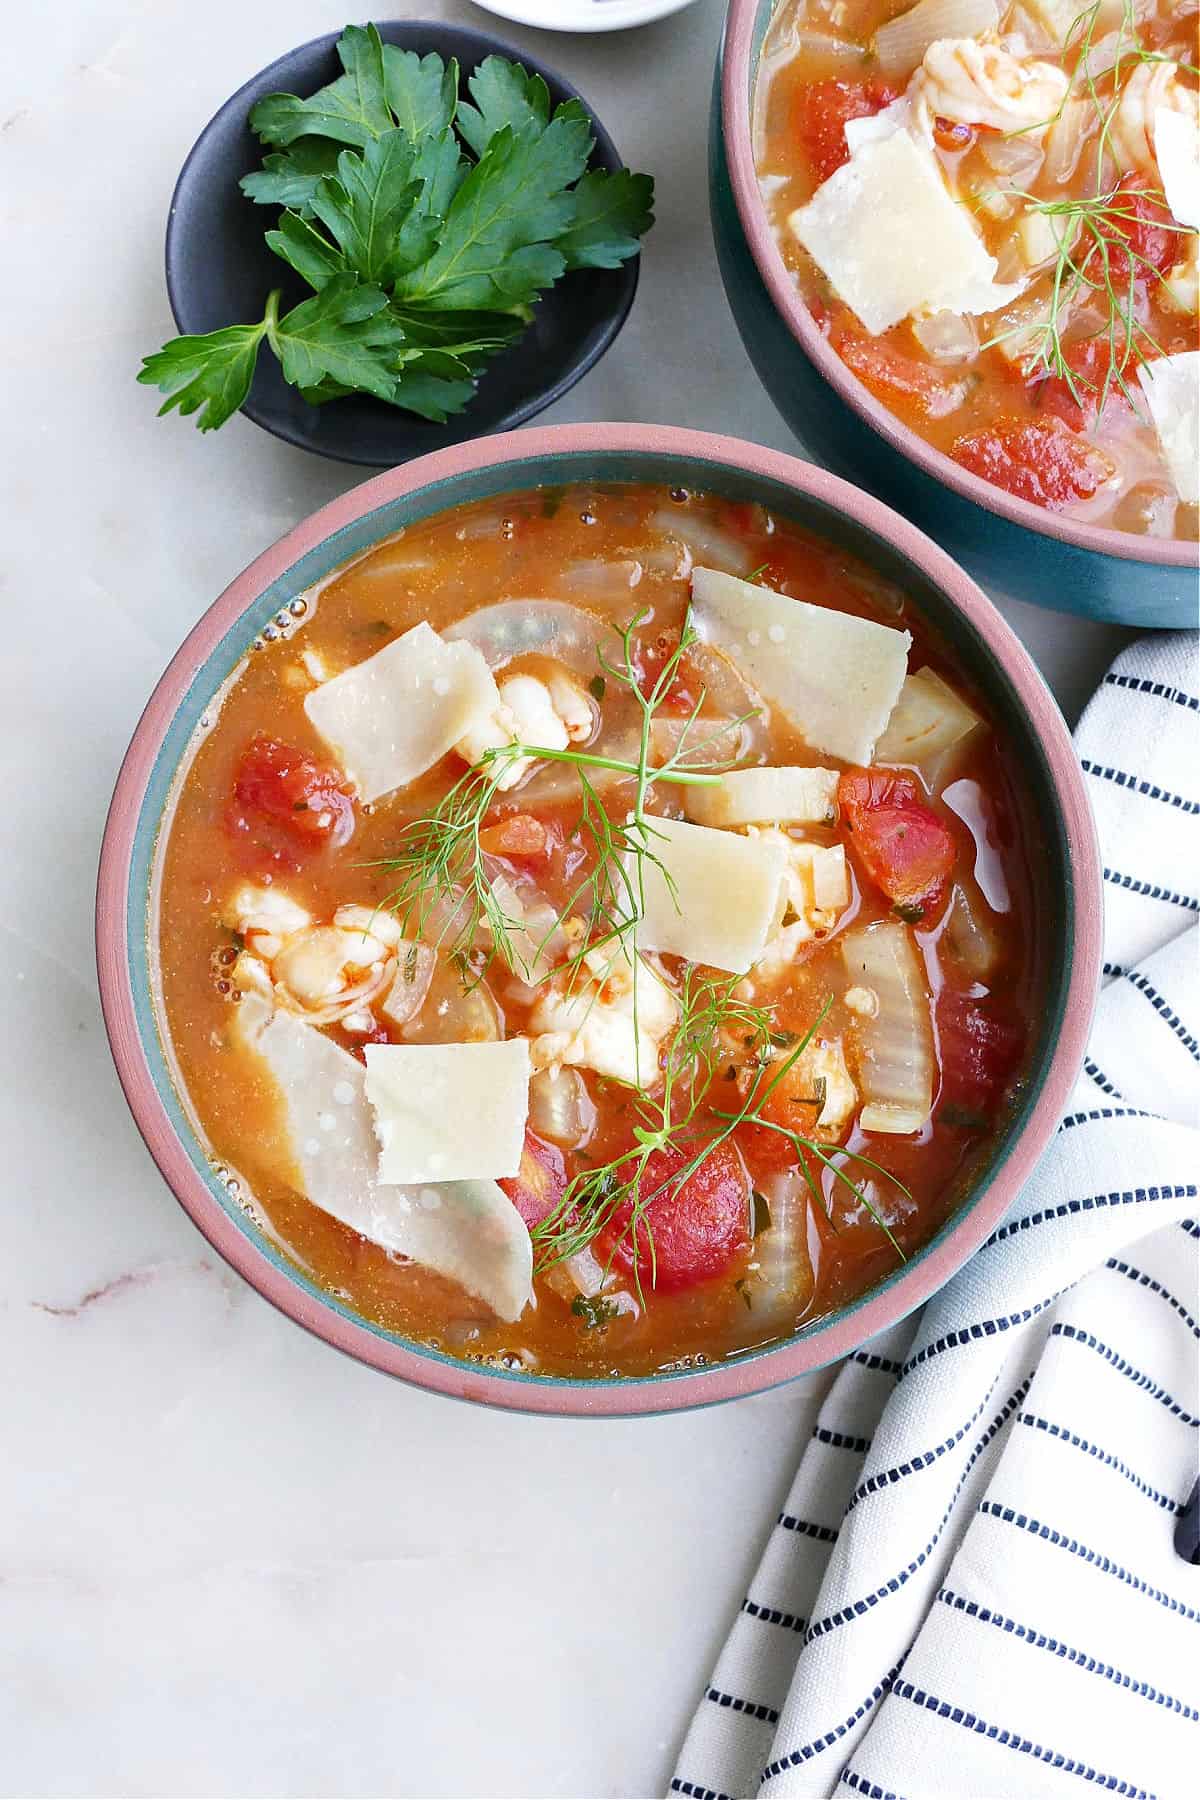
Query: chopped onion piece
{"points": [[549, 628], [1019, 158], [901, 43], [595, 581], [949, 338], [967, 933], [456, 1011], [784, 1290], [415, 964], [717, 549], [895, 1052], [1066, 137], [928, 722], [560, 1107]]}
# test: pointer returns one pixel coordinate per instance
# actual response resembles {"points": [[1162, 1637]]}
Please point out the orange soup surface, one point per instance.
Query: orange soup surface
{"points": [[706, 1025], [976, 197]]}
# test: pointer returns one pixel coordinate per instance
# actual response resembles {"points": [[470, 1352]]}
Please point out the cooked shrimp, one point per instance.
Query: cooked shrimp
{"points": [[593, 1023], [981, 82], [552, 713], [325, 973]]}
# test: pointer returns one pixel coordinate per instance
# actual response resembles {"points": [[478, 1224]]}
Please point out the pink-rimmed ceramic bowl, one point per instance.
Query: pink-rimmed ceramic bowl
{"points": [[1015, 548], [1068, 904]]}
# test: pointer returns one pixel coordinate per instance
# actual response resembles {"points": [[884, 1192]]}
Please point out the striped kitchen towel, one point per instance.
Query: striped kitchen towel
{"points": [[973, 1589]]}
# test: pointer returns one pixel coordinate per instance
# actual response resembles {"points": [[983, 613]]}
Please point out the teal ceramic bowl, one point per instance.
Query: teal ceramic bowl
{"points": [[1017, 550], [1057, 819]]}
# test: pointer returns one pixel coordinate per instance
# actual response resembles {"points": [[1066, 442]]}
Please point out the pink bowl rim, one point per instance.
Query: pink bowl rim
{"points": [[824, 1344], [737, 68]]}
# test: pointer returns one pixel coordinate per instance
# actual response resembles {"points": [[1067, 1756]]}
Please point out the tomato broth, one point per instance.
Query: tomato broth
{"points": [[1037, 122], [753, 1212]]}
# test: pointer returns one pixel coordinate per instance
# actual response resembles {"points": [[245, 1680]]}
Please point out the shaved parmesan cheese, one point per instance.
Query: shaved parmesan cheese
{"points": [[877, 126], [390, 718], [836, 676], [715, 899], [449, 1112], [929, 721], [792, 796], [1177, 147], [1172, 389], [469, 1231], [892, 240]]}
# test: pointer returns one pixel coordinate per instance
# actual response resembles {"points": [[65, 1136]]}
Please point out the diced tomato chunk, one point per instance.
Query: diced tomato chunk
{"points": [[979, 1046], [1138, 235], [689, 1230], [890, 374], [295, 792], [907, 851], [519, 835], [1090, 360], [819, 120], [686, 686], [540, 1182], [1035, 459]]}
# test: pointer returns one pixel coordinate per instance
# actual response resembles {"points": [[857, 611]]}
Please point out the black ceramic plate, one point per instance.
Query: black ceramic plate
{"points": [[220, 271]]}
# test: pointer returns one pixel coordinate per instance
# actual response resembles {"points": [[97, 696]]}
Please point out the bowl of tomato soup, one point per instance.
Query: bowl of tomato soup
{"points": [[599, 921], [959, 242]]}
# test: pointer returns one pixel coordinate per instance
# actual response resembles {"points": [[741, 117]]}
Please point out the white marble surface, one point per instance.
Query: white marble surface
{"points": [[232, 1563]]}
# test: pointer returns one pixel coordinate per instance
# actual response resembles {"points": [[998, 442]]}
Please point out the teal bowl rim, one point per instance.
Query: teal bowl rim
{"points": [[746, 25], [518, 461]]}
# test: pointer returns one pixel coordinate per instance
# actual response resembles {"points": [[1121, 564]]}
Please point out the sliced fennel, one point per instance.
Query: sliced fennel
{"points": [[895, 1047]]}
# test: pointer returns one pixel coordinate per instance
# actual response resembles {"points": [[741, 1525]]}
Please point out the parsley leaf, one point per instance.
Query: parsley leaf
{"points": [[301, 245], [210, 375], [425, 227], [290, 177], [612, 211], [373, 209], [344, 334], [495, 248], [504, 94], [421, 92], [351, 110]]}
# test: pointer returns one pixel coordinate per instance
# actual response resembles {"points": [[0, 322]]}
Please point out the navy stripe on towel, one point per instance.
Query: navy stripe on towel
{"points": [[1090, 1664], [824, 1534], [958, 1715], [1093, 1069], [971, 1334], [869, 1360], [1093, 1203], [857, 1608], [841, 1440], [1122, 1367], [695, 1792], [1155, 1287], [1122, 778], [807, 1751], [1138, 684], [1167, 1501], [861, 1785], [1102, 1112], [1166, 1014], [1151, 890], [1009, 1516], [768, 1714], [889, 1477]]}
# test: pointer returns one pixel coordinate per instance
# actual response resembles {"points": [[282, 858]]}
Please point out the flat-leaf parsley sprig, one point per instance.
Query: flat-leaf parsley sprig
{"points": [[435, 222]]}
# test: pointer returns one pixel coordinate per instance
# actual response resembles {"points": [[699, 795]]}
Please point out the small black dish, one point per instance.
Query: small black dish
{"points": [[220, 271]]}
